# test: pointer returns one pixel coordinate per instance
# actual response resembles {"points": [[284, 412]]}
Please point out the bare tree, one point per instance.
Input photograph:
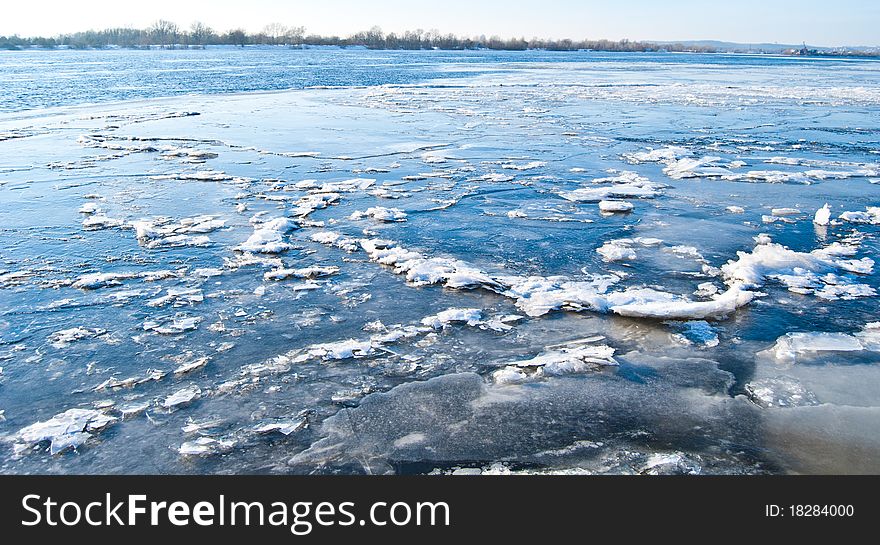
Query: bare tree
{"points": [[276, 33], [200, 33], [236, 37], [164, 32]]}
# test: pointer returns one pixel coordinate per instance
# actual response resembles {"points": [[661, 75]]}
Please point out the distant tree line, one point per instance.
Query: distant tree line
{"points": [[169, 35]]}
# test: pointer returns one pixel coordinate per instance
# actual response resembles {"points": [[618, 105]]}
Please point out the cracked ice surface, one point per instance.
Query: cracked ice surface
{"points": [[625, 266]]}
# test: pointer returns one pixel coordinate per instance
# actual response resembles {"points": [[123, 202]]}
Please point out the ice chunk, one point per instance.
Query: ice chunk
{"points": [[182, 397], [793, 345], [625, 184], [164, 233], [781, 212], [113, 382], [780, 392], [615, 206], [617, 250], [342, 350], [768, 259], [99, 221], [871, 216], [470, 316], [173, 326], [647, 303], [675, 463], [823, 215], [99, 280], [574, 358], [315, 271], [178, 297], [380, 213], [268, 237], [205, 446], [285, 427], [193, 365], [62, 339], [524, 166], [67, 430]]}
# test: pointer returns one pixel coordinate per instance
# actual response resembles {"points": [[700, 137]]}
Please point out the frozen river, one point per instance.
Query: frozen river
{"points": [[283, 261]]}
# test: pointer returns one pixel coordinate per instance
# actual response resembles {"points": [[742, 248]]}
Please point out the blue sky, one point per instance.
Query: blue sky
{"points": [[819, 22]]}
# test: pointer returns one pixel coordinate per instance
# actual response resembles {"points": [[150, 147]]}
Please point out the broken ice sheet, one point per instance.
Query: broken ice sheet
{"points": [[67, 430], [182, 397], [63, 339], [793, 347], [173, 325], [576, 357], [204, 446]]}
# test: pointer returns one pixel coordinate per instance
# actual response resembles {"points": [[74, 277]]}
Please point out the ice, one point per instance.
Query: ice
{"points": [[336, 239], [193, 365], [268, 237], [791, 346], [770, 260], [780, 392], [285, 427], [99, 280], [574, 358], [667, 154], [524, 166], [173, 325], [178, 297], [625, 184], [781, 212], [823, 215], [113, 382], [380, 213], [469, 316], [617, 250], [422, 271], [315, 271], [870, 216], [89, 208], [15, 278], [698, 332], [704, 167], [675, 463], [62, 339], [67, 430], [647, 303], [97, 222], [509, 250], [182, 397], [205, 446], [207, 272], [341, 350], [615, 206]]}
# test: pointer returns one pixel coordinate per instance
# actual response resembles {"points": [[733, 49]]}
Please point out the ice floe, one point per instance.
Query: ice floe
{"points": [[575, 357], [792, 346], [624, 185], [62, 339], [802, 272], [380, 213], [182, 397], [268, 237], [469, 316], [67, 430], [173, 325]]}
